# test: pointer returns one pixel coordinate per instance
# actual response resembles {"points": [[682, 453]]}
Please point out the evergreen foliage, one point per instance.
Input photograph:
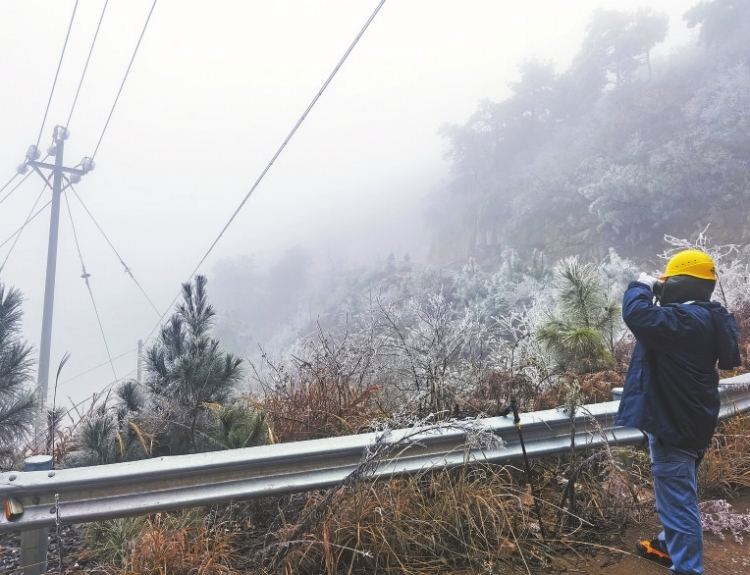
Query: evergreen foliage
{"points": [[580, 335], [238, 425], [187, 370], [187, 404], [17, 402]]}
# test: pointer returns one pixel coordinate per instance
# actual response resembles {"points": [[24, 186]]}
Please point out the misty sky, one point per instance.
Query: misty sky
{"points": [[213, 92]]}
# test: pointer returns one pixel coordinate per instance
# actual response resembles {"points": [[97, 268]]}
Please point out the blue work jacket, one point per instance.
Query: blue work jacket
{"points": [[671, 389]]}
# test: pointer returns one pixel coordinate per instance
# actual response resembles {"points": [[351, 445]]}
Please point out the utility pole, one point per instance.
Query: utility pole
{"points": [[58, 171]]}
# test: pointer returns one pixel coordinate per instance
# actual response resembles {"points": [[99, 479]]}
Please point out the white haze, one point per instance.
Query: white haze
{"points": [[214, 90]]}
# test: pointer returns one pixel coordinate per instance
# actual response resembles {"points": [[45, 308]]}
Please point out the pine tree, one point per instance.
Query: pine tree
{"points": [[579, 336], [187, 371], [17, 402]]}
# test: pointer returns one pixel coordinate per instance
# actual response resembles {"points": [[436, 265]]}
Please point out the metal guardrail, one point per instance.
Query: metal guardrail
{"points": [[86, 494]]}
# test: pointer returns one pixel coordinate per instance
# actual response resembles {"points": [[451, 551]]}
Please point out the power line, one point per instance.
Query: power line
{"points": [[14, 187], [86, 66], [9, 182], [98, 366], [19, 230], [18, 233], [85, 275], [148, 18], [124, 265], [59, 64], [277, 154]]}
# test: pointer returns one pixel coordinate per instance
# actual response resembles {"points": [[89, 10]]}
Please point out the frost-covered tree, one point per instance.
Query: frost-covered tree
{"points": [[719, 20], [188, 402], [187, 370], [440, 349]]}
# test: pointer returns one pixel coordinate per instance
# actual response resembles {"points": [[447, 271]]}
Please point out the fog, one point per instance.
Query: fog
{"points": [[211, 95]]}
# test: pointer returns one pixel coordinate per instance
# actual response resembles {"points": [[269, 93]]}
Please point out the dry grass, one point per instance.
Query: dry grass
{"points": [[322, 406], [472, 518], [433, 523], [479, 518], [165, 547], [494, 392], [726, 467], [595, 388], [187, 543]]}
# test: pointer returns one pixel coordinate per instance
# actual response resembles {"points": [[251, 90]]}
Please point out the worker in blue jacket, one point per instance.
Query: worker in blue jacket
{"points": [[671, 392]]}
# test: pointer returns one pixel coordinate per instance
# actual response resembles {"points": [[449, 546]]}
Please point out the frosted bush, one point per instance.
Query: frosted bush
{"points": [[616, 273], [717, 517]]}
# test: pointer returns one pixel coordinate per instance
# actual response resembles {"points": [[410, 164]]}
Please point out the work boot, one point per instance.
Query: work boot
{"points": [[654, 550]]}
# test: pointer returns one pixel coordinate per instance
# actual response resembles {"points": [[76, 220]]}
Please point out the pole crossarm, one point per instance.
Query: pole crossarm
{"points": [[74, 171], [166, 483]]}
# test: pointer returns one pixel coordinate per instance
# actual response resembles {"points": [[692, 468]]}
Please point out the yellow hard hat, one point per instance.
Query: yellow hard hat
{"points": [[690, 263]]}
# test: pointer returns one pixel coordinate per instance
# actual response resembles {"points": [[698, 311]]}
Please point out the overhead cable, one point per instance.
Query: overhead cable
{"points": [[148, 18], [85, 275], [88, 59], [57, 73], [14, 187], [276, 155], [124, 265], [19, 230], [18, 233], [9, 182], [134, 350]]}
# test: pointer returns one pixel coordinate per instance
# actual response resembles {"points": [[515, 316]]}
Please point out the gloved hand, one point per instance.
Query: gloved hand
{"points": [[648, 280]]}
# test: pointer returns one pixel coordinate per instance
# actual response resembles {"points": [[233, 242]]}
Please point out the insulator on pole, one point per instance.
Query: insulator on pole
{"points": [[87, 164], [33, 153], [61, 133]]}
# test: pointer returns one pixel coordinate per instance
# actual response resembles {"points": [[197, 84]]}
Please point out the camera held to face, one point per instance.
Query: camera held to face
{"points": [[659, 289]]}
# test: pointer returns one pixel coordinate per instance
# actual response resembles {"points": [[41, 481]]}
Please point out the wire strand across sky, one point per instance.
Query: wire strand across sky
{"points": [[86, 66], [275, 156], [122, 84], [57, 73], [126, 268], [85, 275]]}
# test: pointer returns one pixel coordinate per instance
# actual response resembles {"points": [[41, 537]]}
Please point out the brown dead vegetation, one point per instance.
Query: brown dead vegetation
{"points": [[594, 388], [322, 406], [479, 518]]}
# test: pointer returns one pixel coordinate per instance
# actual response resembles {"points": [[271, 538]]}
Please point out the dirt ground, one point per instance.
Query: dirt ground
{"points": [[725, 557]]}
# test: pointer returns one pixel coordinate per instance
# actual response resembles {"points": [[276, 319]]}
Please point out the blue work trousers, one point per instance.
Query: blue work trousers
{"points": [[675, 472]]}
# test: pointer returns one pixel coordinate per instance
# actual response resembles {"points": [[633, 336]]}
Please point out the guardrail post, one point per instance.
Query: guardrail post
{"points": [[34, 543]]}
